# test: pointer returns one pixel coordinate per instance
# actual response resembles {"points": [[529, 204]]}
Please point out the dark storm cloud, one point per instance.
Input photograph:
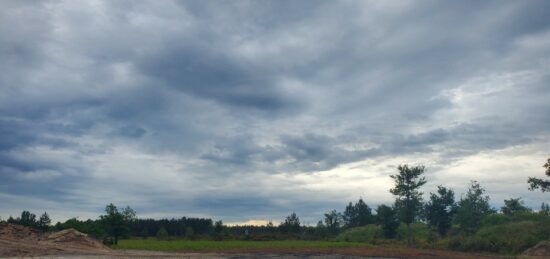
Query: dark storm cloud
{"points": [[200, 99]]}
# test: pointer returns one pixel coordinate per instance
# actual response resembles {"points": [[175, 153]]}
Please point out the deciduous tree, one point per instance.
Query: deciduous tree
{"points": [[115, 222], [28, 219], [537, 183], [291, 224], [333, 220], [440, 209], [472, 208], [513, 206]]}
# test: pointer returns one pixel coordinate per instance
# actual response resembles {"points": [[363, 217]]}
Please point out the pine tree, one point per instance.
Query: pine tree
{"points": [[409, 199], [44, 222], [387, 218]]}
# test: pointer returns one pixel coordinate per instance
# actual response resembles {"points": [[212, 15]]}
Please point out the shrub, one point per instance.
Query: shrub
{"points": [[507, 238], [162, 234], [368, 233]]}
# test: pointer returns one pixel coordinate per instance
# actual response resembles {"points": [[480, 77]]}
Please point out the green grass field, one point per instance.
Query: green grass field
{"points": [[206, 245]]}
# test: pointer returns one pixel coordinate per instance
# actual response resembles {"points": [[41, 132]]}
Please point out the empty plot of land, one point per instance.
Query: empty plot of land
{"points": [[20, 241]]}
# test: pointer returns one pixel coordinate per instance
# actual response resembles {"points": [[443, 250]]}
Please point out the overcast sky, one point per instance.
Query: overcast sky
{"points": [[248, 110]]}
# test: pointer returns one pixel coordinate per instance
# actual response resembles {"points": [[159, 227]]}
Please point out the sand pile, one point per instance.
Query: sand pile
{"points": [[540, 249], [17, 232], [16, 240], [74, 238]]}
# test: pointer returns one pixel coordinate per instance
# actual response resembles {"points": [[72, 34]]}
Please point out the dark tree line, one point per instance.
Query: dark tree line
{"points": [[182, 227], [29, 219], [440, 213]]}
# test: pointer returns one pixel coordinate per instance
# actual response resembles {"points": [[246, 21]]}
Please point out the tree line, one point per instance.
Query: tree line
{"points": [[440, 212], [30, 220]]}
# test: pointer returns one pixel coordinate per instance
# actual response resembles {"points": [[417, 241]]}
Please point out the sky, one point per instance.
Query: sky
{"points": [[246, 111]]}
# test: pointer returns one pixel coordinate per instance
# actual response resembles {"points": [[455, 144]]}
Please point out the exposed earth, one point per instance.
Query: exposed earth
{"points": [[19, 241], [16, 240], [541, 249]]}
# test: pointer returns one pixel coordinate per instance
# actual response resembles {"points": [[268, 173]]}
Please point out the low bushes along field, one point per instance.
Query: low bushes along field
{"points": [[209, 245]]}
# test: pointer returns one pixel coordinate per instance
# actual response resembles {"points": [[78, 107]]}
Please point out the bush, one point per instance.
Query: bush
{"points": [[514, 237], [495, 219], [420, 232], [506, 238], [476, 243], [373, 234], [368, 233], [162, 234]]}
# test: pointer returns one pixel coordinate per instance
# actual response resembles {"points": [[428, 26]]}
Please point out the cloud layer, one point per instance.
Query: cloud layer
{"points": [[249, 110]]}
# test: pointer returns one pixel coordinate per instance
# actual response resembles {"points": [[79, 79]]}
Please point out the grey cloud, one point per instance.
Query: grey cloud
{"points": [[246, 88], [314, 152], [211, 75], [131, 131], [307, 152]]}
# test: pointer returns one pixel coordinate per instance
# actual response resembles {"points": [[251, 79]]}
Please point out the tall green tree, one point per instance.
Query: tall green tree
{"points": [[440, 209], [116, 222], [349, 216], [386, 217], [28, 219], [291, 224], [472, 208], [513, 206], [358, 214], [333, 220], [128, 214], [538, 183], [44, 222], [409, 199], [217, 231]]}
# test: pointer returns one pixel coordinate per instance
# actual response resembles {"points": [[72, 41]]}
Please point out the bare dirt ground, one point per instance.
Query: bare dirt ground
{"points": [[541, 249], [18, 241]]}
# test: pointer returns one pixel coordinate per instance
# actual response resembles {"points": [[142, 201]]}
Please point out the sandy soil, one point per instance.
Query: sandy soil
{"points": [[541, 249], [18, 240]]}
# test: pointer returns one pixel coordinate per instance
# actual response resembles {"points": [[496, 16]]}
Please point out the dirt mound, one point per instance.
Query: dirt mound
{"points": [[17, 232], [74, 238], [540, 249], [16, 240]]}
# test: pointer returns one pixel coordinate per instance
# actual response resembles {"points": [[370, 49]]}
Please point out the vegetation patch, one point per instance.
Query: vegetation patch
{"points": [[208, 245]]}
